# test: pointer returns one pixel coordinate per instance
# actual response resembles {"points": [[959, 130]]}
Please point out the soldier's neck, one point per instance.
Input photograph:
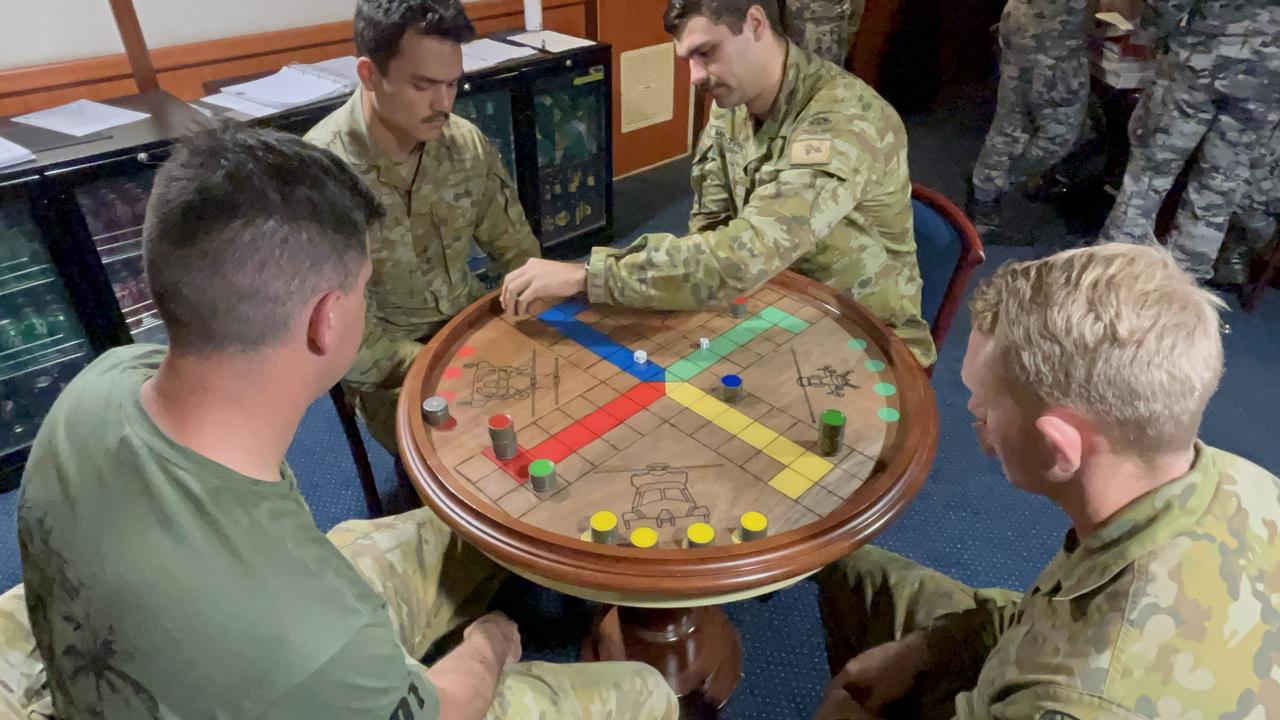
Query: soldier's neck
{"points": [[1110, 483], [775, 71], [396, 145]]}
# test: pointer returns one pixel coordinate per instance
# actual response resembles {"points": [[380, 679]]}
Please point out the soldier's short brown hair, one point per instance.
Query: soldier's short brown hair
{"points": [[380, 25], [729, 13], [1116, 332], [244, 227]]}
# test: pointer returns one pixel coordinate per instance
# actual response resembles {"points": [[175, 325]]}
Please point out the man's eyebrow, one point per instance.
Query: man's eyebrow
{"points": [[419, 78]]}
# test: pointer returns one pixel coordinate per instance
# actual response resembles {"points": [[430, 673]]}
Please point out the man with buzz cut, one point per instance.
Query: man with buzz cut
{"points": [[171, 568], [441, 181], [802, 167]]}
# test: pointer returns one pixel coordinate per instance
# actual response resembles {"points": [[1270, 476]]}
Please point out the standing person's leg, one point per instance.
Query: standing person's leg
{"points": [[1166, 127], [1248, 81], [1006, 139], [1059, 103], [819, 26]]}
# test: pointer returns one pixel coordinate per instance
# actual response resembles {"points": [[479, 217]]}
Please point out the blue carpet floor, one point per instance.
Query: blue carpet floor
{"points": [[967, 521]]}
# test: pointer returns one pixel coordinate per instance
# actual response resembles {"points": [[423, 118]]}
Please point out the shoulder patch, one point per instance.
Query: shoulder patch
{"points": [[811, 151]]}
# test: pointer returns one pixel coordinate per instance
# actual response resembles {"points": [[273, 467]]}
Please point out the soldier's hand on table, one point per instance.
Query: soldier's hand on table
{"points": [[884, 673], [538, 279], [837, 705], [498, 634]]}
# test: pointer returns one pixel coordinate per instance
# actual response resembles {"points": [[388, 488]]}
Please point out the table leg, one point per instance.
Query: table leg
{"points": [[696, 649]]}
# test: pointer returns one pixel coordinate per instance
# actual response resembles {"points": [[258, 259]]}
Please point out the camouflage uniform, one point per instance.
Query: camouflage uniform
{"points": [[1217, 87], [420, 278], [825, 28], [401, 557], [1170, 610], [1254, 223], [822, 188], [1043, 93]]}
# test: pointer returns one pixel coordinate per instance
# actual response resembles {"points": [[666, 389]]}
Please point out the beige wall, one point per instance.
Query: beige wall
{"points": [[34, 32], [47, 31]]}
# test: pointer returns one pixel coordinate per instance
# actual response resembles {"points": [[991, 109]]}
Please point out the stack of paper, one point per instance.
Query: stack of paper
{"points": [[80, 118], [551, 41], [290, 87], [12, 153], [239, 104], [482, 53]]}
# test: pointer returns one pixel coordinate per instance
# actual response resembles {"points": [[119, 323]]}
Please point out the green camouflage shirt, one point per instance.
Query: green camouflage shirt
{"points": [[420, 278], [822, 188], [1170, 610]]}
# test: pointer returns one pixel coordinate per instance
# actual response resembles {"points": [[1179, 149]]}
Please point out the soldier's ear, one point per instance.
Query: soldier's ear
{"points": [[755, 22], [322, 323], [367, 71]]}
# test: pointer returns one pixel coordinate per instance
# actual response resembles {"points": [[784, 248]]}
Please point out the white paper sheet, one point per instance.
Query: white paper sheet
{"points": [[80, 118], [287, 88], [343, 68], [482, 53], [550, 40], [239, 104], [11, 153]]}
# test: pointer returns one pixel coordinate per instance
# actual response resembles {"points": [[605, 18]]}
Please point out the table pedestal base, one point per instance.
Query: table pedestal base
{"points": [[696, 649]]}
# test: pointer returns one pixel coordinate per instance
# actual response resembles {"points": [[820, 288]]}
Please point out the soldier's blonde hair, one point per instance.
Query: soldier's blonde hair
{"points": [[1116, 332]]}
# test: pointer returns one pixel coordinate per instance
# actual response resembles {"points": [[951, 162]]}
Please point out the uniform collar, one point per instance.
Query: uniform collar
{"points": [[364, 154], [1141, 527], [793, 95]]}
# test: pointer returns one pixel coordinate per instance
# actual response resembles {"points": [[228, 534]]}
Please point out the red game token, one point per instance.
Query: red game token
{"points": [[740, 301], [500, 422]]}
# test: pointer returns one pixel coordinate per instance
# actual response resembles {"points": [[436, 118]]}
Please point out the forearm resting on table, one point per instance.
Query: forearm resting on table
{"points": [[466, 681]]}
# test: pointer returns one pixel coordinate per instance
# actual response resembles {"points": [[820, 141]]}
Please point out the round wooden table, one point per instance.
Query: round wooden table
{"points": [[660, 444]]}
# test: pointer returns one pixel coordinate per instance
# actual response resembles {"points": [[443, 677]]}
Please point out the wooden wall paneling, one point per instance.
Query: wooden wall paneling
{"points": [[879, 21], [183, 69], [628, 26]]}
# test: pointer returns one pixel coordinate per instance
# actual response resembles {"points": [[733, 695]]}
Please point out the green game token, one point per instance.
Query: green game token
{"points": [[541, 468], [888, 414], [875, 365], [858, 344], [832, 417], [885, 389]]}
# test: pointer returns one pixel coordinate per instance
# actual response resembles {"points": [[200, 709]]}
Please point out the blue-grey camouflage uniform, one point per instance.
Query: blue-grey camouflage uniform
{"points": [[1217, 89], [1043, 93]]}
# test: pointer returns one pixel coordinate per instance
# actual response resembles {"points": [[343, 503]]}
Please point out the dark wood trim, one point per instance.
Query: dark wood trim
{"points": [[691, 574], [135, 45], [972, 254]]}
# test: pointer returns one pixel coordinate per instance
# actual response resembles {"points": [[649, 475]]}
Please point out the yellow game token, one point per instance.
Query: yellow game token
{"points": [[700, 535], [754, 525], [604, 526], [644, 537]]}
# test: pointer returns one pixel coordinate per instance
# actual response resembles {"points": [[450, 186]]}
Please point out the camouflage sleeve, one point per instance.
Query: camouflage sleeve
{"points": [[712, 201], [791, 208], [1039, 700], [964, 639], [502, 230], [384, 358]]}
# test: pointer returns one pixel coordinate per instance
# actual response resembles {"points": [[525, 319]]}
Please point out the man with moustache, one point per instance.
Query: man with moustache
{"points": [[442, 184], [1088, 372]]}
